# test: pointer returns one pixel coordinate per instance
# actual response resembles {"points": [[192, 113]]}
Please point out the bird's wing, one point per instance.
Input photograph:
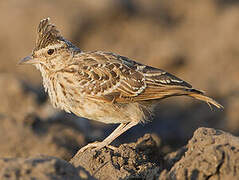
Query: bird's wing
{"points": [[103, 77], [113, 78]]}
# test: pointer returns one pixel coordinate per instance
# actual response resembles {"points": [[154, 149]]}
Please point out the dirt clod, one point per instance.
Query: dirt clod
{"points": [[210, 154], [134, 160]]}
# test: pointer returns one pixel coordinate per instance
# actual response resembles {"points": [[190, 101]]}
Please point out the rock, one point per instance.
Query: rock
{"points": [[37, 168], [136, 160], [210, 154]]}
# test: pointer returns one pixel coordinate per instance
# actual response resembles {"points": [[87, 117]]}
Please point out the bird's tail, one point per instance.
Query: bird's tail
{"points": [[160, 93], [200, 96]]}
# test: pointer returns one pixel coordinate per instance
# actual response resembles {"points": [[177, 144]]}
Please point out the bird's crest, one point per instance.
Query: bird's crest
{"points": [[47, 34]]}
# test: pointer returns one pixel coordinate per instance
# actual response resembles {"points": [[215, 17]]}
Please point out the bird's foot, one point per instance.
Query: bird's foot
{"points": [[96, 146]]}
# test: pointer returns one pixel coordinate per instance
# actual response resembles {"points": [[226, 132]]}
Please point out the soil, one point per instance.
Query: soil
{"points": [[42, 167], [209, 154], [196, 41]]}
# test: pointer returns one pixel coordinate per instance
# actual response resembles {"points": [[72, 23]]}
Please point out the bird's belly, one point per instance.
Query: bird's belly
{"points": [[65, 99], [106, 112]]}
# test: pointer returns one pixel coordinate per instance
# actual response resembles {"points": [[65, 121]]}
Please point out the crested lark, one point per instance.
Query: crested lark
{"points": [[102, 86]]}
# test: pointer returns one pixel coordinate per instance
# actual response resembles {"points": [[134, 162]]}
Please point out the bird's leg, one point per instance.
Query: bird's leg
{"points": [[117, 132]]}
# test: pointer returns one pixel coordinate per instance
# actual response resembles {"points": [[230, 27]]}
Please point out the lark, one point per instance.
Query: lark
{"points": [[102, 86]]}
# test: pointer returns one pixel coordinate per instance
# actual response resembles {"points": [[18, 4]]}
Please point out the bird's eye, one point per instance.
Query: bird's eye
{"points": [[50, 51]]}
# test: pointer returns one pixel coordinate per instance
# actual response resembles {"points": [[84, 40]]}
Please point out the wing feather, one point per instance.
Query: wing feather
{"points": [[113, 78], [106, 78]]}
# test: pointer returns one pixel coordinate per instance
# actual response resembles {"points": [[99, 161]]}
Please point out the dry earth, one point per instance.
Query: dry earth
{"points": [[210, 154]]}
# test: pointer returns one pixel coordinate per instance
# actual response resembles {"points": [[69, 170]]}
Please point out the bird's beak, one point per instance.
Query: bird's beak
{"points": [[28, 60]]}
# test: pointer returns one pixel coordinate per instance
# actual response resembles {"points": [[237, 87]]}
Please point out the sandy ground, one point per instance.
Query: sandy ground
{"points": [[196, 41]]}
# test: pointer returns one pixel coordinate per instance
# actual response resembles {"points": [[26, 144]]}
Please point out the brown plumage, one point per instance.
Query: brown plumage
{"points": [[102, 86]]}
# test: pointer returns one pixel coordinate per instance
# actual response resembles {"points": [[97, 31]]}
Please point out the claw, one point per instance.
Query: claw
{"points": [[95, 146], [118, 131]]}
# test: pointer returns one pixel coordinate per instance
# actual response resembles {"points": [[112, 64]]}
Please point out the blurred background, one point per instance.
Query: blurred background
{"points": [[195, 40]]}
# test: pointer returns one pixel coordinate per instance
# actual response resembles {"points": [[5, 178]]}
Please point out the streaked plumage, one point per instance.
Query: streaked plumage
{"points": [[102, 86]]}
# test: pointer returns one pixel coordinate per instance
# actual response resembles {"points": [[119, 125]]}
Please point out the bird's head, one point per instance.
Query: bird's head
{"points": [[51, 49]]}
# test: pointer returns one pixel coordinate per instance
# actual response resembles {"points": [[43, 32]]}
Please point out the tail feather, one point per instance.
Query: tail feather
{"points": [[154, 93], [202, 97]]}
